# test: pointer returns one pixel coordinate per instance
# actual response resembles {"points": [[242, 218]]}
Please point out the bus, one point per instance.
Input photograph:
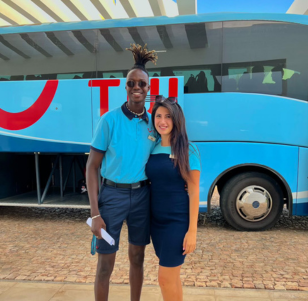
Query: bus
{"points": [[242, 80]]}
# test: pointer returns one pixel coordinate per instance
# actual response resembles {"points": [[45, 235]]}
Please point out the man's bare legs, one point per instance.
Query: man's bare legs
{"points": [[136, 258], [105, 266]]}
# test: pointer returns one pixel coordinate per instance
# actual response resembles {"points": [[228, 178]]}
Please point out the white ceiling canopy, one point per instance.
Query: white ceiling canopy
{"points": [[299, 7], [25, 12]]}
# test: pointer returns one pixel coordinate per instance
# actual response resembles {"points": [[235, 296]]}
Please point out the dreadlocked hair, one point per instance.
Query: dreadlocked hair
{"points": [[142, 56]]}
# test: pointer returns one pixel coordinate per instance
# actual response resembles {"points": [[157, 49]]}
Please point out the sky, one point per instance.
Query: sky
{"points": [[256, 6]]}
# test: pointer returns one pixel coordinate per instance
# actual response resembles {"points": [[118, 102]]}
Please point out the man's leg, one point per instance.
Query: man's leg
{"points": [[136, 258], [104, 269], [113, 206], [138, 223]]}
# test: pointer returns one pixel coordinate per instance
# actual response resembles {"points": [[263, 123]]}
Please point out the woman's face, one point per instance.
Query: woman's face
{"points": [[163, 121]]}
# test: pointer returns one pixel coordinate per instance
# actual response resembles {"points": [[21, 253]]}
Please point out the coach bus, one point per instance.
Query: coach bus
{"points": [[242, 80]]}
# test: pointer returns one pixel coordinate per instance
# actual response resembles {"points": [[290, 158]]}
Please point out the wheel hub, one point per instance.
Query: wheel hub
{"points": [[254, 203]]}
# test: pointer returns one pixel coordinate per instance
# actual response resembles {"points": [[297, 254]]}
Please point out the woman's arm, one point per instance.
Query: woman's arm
{"points": [[189, 244]]}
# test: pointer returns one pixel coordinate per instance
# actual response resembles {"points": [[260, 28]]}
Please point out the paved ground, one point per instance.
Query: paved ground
{"points": [[25, 291], [40, 244]]}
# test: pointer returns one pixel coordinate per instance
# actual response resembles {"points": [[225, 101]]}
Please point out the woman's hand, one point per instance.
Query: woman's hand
{"points": [[97, 224], [189, 244]]}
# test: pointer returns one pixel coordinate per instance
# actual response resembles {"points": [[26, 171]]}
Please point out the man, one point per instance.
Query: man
{"points": [[122, 144]]}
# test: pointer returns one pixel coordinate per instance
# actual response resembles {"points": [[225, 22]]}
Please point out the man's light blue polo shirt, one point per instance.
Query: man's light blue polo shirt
{"points": [[125, 140]]}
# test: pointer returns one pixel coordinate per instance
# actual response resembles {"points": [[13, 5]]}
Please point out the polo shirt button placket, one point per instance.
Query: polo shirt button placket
{"points": [[139, 127]]}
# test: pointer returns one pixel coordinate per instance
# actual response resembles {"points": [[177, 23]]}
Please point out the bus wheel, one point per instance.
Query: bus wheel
{"points": [[251, 201]]}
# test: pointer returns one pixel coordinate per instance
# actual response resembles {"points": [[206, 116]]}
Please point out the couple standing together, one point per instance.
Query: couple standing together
{"points": [[145, 164]]}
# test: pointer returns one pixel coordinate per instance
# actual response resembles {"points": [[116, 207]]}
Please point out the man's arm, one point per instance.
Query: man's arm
{"points": [[93, 166]]}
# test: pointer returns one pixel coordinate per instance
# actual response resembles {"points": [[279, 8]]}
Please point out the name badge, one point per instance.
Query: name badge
{"points": [[152, 138]]}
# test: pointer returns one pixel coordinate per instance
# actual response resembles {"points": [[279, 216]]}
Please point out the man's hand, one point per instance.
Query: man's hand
{"points": [[97, 224]]}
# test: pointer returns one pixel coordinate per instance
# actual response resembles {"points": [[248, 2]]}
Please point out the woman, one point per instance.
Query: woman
{"points": [[174, 213]]}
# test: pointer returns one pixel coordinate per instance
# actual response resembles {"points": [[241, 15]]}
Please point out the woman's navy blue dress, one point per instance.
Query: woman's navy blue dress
{"points": [[169, 204]]}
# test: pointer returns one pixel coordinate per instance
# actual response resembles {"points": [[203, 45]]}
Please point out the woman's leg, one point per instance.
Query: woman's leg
{"points": [[170, 283]]}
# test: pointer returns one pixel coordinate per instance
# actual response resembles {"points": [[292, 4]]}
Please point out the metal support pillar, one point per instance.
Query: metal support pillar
{"points": [[38, 182], [49, 179], [61, 176], [68, 175], [74, 175], [80, 167]]}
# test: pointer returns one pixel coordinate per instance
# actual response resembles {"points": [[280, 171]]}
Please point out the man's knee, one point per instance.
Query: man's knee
{"points": [[105, 266], [136, 255]]}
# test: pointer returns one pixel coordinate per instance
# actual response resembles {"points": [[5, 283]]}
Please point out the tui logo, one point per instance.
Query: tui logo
{"points": [[24, 119]]}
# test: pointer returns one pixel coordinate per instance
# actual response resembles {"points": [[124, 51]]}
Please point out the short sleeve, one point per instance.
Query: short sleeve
{"points": [[194, 158], [101, 139]]}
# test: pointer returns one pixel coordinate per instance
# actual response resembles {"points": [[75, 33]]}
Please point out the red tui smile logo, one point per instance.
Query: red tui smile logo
{"points": [[24, 119]]}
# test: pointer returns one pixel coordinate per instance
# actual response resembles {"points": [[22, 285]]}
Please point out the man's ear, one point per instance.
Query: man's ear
{"points": [[149, 88]]}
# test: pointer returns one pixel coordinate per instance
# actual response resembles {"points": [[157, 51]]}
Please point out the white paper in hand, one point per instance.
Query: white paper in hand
{"points": [[105, 235]]}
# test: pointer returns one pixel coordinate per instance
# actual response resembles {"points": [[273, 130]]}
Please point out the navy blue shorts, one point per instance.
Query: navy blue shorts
{"points": [[119, 204]]}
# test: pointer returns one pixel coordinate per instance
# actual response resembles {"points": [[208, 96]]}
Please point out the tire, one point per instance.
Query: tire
{"points": [[251, 201]]}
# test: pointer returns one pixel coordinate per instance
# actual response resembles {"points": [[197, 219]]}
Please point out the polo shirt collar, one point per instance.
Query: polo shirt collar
{"points": [[130, 115]]}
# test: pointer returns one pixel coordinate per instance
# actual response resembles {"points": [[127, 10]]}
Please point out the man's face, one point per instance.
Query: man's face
{"points": [[137, 85]]}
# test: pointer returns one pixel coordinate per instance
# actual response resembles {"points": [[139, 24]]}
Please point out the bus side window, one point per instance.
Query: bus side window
{"points": [[89, 74], [31, 77], [244, 82], [17, 77], [167, 72], [257, 78], [201, 83], [190, 85], [229, 84], [259, 59]]}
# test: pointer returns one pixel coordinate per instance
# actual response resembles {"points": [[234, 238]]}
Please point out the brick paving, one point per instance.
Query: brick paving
{"points": [[46, 244]]}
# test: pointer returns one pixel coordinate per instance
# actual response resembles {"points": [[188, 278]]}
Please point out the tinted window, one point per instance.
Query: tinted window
{"points": [[265, 57], [190, 50], [113, 60], [50, 55], [193, 51]]}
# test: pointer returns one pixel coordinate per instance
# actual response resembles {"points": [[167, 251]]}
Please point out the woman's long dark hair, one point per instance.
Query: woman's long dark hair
{"points": [[178, 136]]}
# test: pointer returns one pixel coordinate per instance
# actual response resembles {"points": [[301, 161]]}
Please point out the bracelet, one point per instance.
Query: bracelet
{"points": [[95, 216]]}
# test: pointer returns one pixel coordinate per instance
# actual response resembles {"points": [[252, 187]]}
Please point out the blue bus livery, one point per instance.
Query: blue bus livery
{"points": [[241, 79]]}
